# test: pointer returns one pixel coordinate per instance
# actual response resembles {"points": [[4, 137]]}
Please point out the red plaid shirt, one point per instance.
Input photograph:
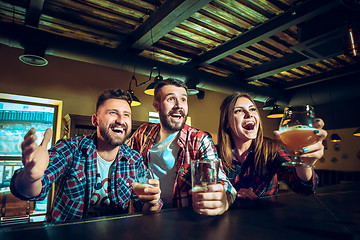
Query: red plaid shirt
{"points": [[194, 144], [244, 176]]}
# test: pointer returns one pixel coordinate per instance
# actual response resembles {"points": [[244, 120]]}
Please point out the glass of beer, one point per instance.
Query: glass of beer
{"points": [[204, 172], [297, 131], [139, 189]]}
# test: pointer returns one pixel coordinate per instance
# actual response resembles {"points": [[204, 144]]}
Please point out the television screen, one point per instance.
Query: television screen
{"points": [[18, 114], [16, 119]]}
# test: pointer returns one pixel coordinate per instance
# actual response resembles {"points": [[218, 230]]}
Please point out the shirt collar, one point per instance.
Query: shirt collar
{"points": [[234, 159], [183, 134], [124, 150]]}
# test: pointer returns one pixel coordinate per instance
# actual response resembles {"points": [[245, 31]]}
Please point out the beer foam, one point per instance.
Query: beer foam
{"points": [[297, 127]]}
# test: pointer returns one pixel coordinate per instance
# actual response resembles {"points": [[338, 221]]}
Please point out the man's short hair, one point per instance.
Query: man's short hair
{"points": [[112, 94], [169, 81]]}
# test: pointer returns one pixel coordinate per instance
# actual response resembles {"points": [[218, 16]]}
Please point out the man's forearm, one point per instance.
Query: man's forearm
{"points": [[25, 187]]}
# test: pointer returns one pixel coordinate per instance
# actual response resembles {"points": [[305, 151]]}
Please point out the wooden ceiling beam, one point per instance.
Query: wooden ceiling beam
{"points": [[285, 63], [279, 23], [332, 74], [169, 15]]}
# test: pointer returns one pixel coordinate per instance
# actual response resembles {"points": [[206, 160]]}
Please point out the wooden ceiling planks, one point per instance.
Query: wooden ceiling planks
{"points": [[209, 39]]}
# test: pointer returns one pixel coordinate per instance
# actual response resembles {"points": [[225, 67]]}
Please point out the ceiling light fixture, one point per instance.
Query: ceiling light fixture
{"points": [[34, 54], [201, 94], [150, 89], [134, 100], [191, 87], [335, 138], [357, 132], [276, 112], [269, 104], [353, 42]]}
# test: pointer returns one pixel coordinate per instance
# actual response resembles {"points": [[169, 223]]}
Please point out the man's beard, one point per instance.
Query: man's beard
{"points": [[168, 125], [112, 140]]}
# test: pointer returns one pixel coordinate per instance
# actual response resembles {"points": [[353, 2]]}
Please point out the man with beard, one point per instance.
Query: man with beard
{"points": [[93, 175], [168, 148]]}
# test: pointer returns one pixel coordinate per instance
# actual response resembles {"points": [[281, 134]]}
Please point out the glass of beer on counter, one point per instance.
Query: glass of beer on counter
{"points": [[297, 131], [144, 183], [204, 172]]}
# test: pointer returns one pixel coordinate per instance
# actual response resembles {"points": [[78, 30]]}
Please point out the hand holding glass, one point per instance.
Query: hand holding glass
{"points": [[143, 183], [204, 172], [297, 131]]}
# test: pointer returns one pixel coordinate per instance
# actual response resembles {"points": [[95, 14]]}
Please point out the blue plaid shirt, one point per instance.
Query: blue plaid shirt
{"points": [[72, 168]]}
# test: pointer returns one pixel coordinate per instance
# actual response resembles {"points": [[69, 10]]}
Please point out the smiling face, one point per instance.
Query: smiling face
{"points": [[113, 121], [244, 120], [172, 107]]}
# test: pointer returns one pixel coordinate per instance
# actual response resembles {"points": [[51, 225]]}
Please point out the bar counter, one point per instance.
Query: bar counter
{"points": [[332, 213]]}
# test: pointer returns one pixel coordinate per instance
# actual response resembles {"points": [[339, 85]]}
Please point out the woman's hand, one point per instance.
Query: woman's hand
{"points": [[246, 193], [310, 154]]}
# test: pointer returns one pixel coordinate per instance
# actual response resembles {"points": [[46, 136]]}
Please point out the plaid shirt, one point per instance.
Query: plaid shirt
{"points": [[72, 167], [194, 144], [244, 176]]}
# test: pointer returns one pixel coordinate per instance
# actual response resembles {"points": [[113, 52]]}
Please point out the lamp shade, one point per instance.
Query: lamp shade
{"points": [[276, 112], [191, 88], [34, 54], [357, 132], [150, 89], [335, 138], [192, 91], [134, 100], [269, 104]]}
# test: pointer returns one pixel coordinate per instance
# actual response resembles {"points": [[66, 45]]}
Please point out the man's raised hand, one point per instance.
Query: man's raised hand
{"points": [[35, 157]]}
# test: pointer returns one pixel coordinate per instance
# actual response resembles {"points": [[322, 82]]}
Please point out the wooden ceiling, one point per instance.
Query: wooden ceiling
{"points": [[269, 46]]}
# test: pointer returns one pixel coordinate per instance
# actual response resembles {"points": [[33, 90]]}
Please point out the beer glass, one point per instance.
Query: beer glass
{"points": [[297, 131], [204, 172], [143, 183]]}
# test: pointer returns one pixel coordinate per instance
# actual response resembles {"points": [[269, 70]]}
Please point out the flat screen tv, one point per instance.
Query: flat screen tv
{"points": [[20, 113], [17, 115]]}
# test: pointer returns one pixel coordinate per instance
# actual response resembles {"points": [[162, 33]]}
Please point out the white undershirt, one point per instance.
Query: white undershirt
{"points": [[100, 197], [162, 157]]}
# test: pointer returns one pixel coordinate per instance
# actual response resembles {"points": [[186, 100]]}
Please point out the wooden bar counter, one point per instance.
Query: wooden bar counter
{"points": [[332, 213]]}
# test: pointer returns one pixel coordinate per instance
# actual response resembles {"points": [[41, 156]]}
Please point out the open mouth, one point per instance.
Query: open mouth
{"points": [[177, 115], [249, 126], [118, 129]]}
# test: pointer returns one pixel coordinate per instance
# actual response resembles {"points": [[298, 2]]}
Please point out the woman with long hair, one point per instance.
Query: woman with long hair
{"points": [[252, 161]]}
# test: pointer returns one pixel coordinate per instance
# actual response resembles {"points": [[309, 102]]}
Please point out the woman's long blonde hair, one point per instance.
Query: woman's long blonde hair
{"points": [[264, 148]]}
